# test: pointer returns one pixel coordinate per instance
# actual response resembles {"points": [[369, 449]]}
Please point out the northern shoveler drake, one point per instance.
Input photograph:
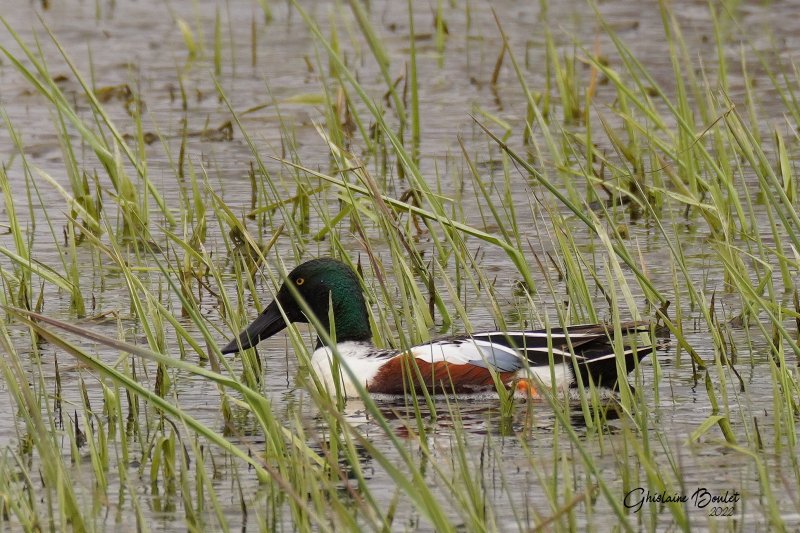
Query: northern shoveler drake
{"points": [[452, 365]]}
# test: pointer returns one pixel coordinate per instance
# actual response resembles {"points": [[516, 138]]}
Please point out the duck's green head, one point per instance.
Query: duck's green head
{"points": [[317, 282]]}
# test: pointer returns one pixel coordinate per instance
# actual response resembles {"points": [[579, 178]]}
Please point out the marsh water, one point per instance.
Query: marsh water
{"points": [[270, 75]]}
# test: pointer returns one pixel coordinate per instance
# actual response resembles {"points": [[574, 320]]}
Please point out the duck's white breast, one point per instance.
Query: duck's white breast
{"points": [[359, 357]]}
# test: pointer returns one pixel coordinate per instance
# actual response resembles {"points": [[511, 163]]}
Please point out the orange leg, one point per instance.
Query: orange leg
{"points": [[524, 386]]}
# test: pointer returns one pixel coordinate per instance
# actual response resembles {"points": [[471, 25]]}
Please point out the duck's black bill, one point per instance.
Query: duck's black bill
{"points": [[265, 326]]}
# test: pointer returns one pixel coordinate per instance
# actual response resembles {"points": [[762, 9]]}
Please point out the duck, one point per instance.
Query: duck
{"points": [[465, 364]]}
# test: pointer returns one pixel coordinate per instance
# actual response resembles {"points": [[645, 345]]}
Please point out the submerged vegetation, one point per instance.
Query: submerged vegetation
{"points": [[479, 169]]}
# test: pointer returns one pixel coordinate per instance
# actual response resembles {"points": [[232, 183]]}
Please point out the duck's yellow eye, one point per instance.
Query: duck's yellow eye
{"points": [[299, 281]]}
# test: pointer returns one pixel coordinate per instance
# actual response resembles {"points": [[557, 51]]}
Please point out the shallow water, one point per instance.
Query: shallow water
{"points": [[137, 43]]}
